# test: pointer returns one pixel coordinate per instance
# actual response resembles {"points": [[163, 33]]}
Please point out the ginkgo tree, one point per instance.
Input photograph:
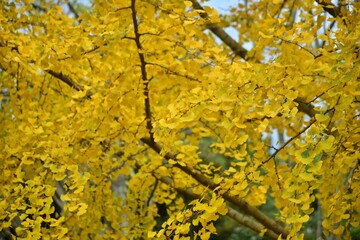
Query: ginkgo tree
{"points": [[106, 109]]}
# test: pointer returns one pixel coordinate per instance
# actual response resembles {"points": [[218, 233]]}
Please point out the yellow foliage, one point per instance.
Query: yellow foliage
{"points": [[125, 119]]}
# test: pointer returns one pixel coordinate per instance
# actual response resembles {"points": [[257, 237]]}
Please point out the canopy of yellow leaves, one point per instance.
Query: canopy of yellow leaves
{"points": [[105, 111]]}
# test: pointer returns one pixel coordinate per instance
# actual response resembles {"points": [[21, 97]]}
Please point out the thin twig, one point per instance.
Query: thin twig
{"points": [[286, 143], [152, 192], [173, 72]]}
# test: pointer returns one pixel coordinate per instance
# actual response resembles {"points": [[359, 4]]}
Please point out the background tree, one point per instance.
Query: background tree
{"points": [[128, 119]]}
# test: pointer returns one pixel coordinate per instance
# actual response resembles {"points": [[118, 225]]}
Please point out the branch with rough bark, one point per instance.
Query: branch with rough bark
{"points": [[232, 213], [242, 204], [242, 52], [66, 79], [220, 33], [263, 221]]}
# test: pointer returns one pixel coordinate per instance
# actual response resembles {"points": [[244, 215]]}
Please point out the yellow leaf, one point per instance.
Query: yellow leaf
{"points": [[200, 11], [80, 188], [217, 179], [222, 210], [262, 232], [65, 197], [293, 111], [316, 168], [240, 186], [184, 229], [328, 143], [181, 163], [304, 160], [308, 211], [62, 233], [82, 209], [79, 94], [49, 191], [304, 218], [294, 200], [263, 125], [172, 162], [39, 130], [211, 228], [58, 176], [73, 208], [205, 236], [188, 3], [321, 117], [291, 94], [173, 16], [241, 140], [306, 176], [151, 234], [11, 150], [264, 35], [188, 22], [73, 168], [27, 160], [180, 156]]}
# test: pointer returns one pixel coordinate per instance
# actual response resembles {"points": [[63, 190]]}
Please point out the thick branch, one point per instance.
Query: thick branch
{"points": [[305, 107], [250, 223], [241, 52], [220, 33], [143, 71], [238, 217], [329, 8], [66, 79], [243, 205]]}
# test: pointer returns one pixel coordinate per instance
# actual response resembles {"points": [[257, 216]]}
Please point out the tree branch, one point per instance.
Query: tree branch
{"points": [[65, 79], [329, 8], [307, 108], [220, 33], [242, 52], [73, 10], [144, 76], [168, 70], [243, 205], [287, 142], [250, 223], [232, 213]]}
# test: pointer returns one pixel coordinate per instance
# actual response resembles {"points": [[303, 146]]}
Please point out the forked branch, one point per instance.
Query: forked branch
{"points": [[232, 213], [242, 52], [206, 182]]}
